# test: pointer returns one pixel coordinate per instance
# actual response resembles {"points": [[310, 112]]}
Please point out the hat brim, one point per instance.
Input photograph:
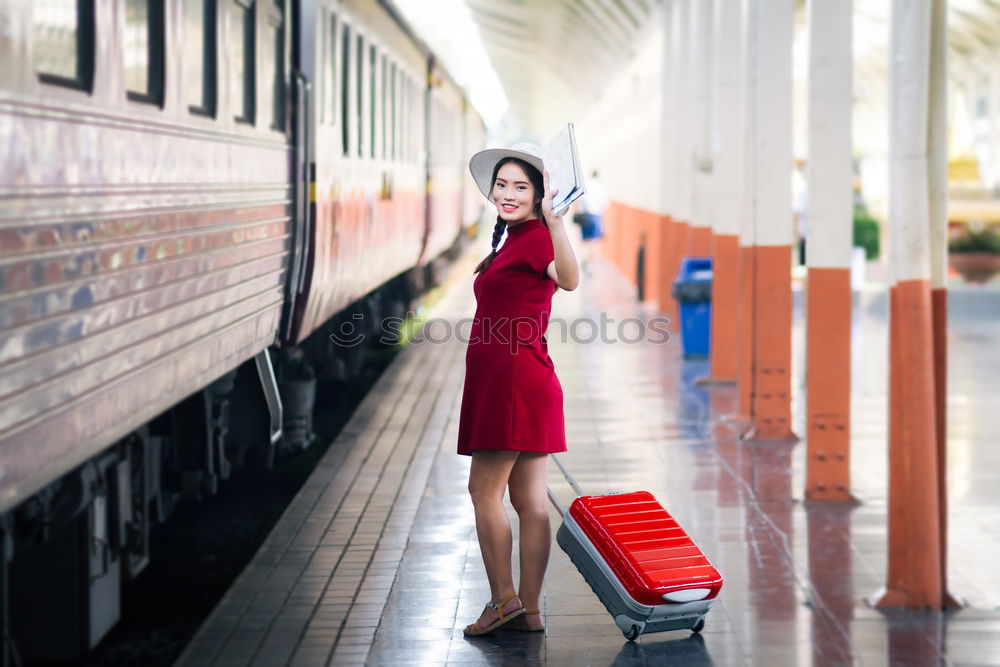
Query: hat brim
{"points": [[482, 164]]}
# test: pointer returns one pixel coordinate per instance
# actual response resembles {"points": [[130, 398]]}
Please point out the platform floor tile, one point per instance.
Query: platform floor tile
{"points": [[376, 561]]}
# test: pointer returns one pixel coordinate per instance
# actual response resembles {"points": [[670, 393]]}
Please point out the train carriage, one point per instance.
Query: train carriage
{"points": [[146, 233], [473, 138], [194, 195], [368, 147], [446, 164]]}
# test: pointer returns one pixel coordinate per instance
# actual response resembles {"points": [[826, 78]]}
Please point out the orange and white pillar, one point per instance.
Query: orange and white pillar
{"points": [[670, 111], [700, 123], [744, 308], [914, 574], [683, 50], [937, 149], [828, 253], [728, 191], [772, 23]]}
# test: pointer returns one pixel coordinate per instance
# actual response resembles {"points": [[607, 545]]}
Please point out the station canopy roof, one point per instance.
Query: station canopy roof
{"points": [[566, 50], [546, 51], [973, 39]]}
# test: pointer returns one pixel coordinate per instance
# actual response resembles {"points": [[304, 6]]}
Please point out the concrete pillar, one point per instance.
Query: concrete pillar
{"points": [[683, 56], [744, 310], [728, 189], [701, 112], [937, 190], [913, 578], [828, 253], [771, 165], [668, 154]]}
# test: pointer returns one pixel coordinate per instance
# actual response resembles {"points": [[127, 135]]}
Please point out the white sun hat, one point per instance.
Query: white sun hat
{"points": [[482, 163]]}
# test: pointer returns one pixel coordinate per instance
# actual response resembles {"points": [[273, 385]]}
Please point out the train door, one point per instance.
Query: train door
{"points": [[302, 115], [429, 137]]}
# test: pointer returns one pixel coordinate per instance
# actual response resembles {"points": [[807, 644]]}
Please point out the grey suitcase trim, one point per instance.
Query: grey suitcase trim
{"points": [[632, 617]]}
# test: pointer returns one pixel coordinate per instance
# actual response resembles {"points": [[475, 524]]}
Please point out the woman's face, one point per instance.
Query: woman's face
{"points": [[513, 193]]}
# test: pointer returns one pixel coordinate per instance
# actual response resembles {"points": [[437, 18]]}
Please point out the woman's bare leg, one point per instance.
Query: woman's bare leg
{"points": [[487, 482], [530, 500]]}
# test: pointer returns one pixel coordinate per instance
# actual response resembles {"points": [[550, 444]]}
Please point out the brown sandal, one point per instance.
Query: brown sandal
{"points": [[521, 626], [475, 630]]}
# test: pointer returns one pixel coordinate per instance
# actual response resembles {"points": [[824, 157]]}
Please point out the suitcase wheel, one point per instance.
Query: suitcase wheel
{"points": [[632, 633], [699, 626]]}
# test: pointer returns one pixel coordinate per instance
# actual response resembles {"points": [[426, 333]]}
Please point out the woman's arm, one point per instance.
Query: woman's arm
{"points": [[564, 269]]}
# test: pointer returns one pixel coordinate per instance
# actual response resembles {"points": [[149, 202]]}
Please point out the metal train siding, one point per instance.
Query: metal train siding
{"points": [[180, 229]]}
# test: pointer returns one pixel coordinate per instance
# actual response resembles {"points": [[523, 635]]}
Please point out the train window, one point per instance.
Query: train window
{"points": [[440, 142], [417, 109], [200, 56], [442, 135], [392, 110], [372, 111], [384, 71], [451, 136], [241, 59], [423, 109], [430, 121], [408, 118], [330, 72], [404, 114], [419, 116], [345, 98], [64, 42], [408, 114], [361, 94], [276, 24], [399, 113], [323, 78], [144, 50]]}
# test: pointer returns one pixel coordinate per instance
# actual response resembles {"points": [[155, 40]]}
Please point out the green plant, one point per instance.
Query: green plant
{"points": [[866, 232], [981, 240]]}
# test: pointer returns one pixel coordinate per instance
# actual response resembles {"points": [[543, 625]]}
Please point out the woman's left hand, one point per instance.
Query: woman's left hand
{"points": [[550, 215]]}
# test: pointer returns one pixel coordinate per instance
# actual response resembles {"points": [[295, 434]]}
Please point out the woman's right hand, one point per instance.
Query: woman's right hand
{"points": [[547, 212]]}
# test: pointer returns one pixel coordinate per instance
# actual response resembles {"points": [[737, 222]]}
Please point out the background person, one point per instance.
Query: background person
{"points": [[512, 403], [590, 216], [800, 207]]}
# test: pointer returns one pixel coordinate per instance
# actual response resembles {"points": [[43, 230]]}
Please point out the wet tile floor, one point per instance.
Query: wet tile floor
{"points": [[376, 561]]}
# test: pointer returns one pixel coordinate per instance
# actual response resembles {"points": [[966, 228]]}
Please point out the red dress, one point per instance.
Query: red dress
{"points": [[512, 398]]}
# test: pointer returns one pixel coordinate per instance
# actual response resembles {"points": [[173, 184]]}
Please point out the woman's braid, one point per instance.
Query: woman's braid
{"points": [[497, 233], [498, 230]]}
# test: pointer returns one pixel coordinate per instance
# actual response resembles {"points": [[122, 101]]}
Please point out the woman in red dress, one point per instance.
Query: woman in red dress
{"points": [[512, 404]]}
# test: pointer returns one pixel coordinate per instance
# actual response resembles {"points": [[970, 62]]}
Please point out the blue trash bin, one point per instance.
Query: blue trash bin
{"points": [[693, 291]]}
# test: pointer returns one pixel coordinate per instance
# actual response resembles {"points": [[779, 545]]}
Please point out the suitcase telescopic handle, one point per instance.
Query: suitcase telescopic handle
{"points": [[569, 478]]}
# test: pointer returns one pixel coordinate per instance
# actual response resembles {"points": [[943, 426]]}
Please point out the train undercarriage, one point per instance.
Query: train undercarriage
{"points": [[70, 549]]}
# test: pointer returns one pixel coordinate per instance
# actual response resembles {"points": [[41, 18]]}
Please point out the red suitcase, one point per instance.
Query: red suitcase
{"points": [[646, 570]]}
